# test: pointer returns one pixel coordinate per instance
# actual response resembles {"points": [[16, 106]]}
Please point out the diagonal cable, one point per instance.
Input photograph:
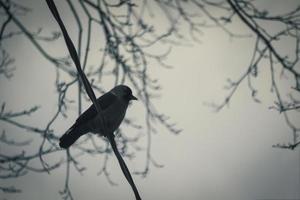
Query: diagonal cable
{"points": [[91, 95]]}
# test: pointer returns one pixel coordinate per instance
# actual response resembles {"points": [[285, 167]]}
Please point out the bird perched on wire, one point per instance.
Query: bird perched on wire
{"points": [[113, 105]]}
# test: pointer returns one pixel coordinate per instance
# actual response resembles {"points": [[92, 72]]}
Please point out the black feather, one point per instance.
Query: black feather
{"points": [[78, 129], [105, 101], [70, 137]]}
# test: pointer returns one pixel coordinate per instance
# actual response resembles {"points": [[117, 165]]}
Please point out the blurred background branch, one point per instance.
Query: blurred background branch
{"points": [[128, 33]]}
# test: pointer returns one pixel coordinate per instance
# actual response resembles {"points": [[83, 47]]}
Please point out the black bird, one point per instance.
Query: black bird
{"points": [[113, 105]]}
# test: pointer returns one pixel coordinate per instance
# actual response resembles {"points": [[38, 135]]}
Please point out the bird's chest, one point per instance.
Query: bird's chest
{"points": [[113, 116]]}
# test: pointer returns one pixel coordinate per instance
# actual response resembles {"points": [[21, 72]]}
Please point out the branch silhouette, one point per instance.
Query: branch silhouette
{"points": [[126, 56]]}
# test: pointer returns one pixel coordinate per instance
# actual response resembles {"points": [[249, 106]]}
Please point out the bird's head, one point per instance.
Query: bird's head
{"points": [[123, 91]]}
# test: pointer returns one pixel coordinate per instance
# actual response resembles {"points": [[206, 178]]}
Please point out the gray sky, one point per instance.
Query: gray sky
{"points": [[225, 155]]}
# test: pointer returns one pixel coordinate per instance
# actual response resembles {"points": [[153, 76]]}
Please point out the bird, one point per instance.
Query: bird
{"points": [[113, 106]]}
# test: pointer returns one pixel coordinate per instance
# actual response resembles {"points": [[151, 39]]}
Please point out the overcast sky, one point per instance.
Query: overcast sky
{"points": [[218, 156]]}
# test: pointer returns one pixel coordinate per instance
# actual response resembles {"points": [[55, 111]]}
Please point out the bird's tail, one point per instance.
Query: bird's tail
{"points": [[70, 137]]}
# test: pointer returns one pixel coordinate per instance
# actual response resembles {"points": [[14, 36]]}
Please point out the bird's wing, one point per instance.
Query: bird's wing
{"points": [[105, 101]]}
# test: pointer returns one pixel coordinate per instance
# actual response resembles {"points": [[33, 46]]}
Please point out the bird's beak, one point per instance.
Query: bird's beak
{"points": [[133, 98]]}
